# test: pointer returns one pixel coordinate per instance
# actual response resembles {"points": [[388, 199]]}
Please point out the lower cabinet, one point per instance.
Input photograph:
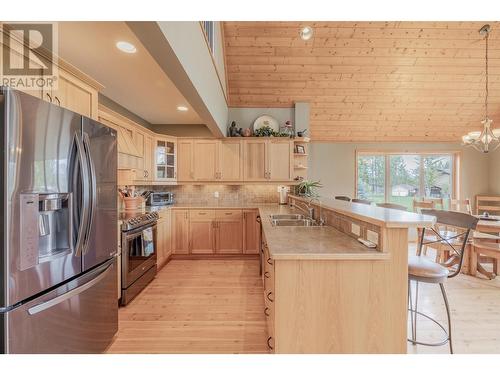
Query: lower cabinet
{"points": [[201, 231], [215, 231], [229, 232], [163, 238], [269, 297], [251, 232], [180, 231]]}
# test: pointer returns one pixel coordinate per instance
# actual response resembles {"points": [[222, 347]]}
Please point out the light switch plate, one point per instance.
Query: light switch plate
{"points": [[355, 229], [216, 194], [372, 236]]}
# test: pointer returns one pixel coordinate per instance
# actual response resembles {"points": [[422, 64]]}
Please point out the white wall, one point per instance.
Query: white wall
{"points": [[189, 45], [494, 171], [334, 165]]}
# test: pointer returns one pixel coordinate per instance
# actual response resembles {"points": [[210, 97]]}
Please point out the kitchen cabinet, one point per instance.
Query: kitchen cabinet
{"points": [[74, 94], [144, 146], [269, 297], [165, 159], [205, 160], [229, 232], [254, 160], [75, 90], [180, 231], [185, 160], [201, 231], [251, 232], [279, 160], [230, 160], [268, 160], [163, 238]]}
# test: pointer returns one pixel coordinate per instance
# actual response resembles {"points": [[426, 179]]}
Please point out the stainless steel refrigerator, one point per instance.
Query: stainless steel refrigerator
{"points": [[58, 229]]}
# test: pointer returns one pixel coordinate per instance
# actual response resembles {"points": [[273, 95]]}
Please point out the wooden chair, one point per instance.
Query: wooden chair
{"points": [[418, 205], [485, 245], [487, 203], [393, 206], [423, 270], [343, 198], [362, 201], [461, 206]]}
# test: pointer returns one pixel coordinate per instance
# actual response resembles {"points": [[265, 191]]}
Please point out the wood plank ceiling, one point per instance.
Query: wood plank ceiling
{"points": [[368, 81]]}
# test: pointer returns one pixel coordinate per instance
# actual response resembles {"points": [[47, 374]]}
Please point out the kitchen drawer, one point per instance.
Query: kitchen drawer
{"points": [[164, 213], [229, 215], [201, 215]]}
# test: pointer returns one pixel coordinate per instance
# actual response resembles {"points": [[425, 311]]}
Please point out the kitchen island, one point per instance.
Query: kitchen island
{"points": [[325, 292]]}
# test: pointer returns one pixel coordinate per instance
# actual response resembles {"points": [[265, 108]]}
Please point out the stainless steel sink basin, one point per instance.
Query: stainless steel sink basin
{"points": [[287, 217], [293, 223]]}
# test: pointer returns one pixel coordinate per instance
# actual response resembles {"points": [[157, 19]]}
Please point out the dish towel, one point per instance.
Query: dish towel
{"points": [[147, 242]]}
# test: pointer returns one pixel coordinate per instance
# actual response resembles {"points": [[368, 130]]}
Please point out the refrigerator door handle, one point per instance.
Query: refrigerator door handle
{"points": [[92, 188], [83, 172], [73, 292]]}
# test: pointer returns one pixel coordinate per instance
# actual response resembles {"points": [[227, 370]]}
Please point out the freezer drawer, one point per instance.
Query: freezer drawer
{"points": [[78, 317]]}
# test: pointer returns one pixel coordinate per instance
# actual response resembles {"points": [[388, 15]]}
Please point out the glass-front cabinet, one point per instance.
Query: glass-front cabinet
{"points": [[166, 159]]}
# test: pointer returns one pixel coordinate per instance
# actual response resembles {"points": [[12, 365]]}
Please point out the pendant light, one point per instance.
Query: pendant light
{"points": [[488, 139]]}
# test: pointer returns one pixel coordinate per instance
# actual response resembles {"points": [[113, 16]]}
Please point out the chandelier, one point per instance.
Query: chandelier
{"points": [[488, 139]]}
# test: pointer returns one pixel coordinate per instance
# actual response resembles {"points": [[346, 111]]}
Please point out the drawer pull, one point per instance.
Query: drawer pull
{"points": [[269, 297], [269, 343], [228, 213], [269, 261], [267, 275], [202, 213], [266, 311]]}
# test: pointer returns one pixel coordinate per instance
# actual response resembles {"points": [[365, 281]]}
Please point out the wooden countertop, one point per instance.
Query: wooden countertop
{"points": [[311, 243], [383, 217]]}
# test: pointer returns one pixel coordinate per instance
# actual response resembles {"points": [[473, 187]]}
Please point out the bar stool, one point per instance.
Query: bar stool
{"points": [[426, 271], [343, 198]]}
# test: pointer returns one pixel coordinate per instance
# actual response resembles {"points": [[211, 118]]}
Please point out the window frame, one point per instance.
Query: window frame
{"points": [[455, 168]]}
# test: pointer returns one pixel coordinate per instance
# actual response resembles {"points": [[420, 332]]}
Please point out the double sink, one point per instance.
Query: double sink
{"points": [[292, 220]]}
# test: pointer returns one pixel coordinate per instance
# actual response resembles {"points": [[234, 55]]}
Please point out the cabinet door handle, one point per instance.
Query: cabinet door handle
{"points": [[267, 275], [58, 101], [269, 343], [269, 297], [269, 259], [50, 97], [266, 311]]}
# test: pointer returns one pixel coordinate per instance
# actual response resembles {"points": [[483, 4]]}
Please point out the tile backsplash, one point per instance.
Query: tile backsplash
{"points": [[197, 194]]}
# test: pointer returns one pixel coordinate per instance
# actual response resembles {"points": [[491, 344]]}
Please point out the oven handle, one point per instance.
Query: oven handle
{"points": [[131, 233]]}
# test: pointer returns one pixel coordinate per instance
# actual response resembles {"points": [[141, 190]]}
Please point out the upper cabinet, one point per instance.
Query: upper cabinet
{"points": [[209, 160], [75, 90], [230, 160], [268, 160], [165, 159], [235, 160]]}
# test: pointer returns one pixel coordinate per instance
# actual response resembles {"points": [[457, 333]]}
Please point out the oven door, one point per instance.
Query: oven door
{"points": [[138, 253]]}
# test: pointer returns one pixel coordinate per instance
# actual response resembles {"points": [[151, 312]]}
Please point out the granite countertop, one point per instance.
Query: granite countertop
{"points": [[314, 243]]}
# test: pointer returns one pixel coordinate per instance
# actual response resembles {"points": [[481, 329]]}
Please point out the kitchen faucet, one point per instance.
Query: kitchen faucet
{"points": [[306, 208]]}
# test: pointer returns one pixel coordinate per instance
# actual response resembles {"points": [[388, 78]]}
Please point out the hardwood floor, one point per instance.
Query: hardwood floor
{"points": [[197, 306], [216, 306]]}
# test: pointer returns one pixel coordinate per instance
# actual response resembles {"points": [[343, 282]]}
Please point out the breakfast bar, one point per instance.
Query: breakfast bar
{"points": [[326, 292]]}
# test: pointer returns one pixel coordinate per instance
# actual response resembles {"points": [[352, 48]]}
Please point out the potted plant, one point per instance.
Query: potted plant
{"points": [[308, 188]]}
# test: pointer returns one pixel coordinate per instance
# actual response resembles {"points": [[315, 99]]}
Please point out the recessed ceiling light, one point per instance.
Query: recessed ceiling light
{"points": [[306, 33], [182, 108], [126, 47]]}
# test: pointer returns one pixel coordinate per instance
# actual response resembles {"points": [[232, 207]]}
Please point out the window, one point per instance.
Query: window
{"points": [[400, 178], [209, 29]]}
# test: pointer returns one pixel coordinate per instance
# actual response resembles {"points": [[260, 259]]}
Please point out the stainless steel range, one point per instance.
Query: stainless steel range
{"points": [[138, 253]]}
